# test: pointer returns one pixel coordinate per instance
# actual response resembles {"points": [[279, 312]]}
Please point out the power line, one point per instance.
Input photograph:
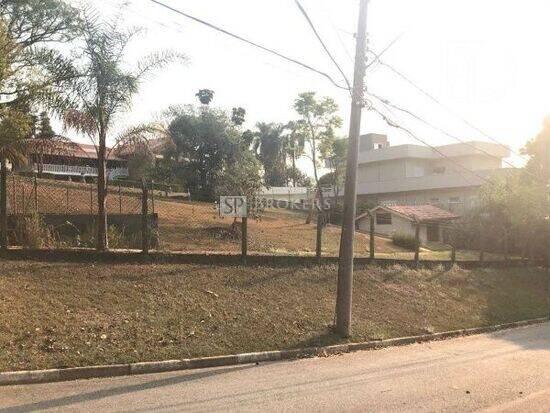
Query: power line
{"points": [[394, 124], [437, 128], [447, 108], [251, 43], [304, 13], [388, 47]]}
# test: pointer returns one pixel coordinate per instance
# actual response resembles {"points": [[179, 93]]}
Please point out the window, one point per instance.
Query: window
{"points": [[454, 203], [383, 218]]}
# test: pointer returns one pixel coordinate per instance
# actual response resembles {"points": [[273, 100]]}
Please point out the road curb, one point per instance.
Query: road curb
{"points": [[77, 373]]}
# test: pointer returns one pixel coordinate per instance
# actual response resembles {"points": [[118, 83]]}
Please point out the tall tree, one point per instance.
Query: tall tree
{"points": [[205, 96], [270, 147], [31, 72], [538, 150], [319, 120], [238, 116], [294, 146], [105, 89], [204, 138], [334, 153]]}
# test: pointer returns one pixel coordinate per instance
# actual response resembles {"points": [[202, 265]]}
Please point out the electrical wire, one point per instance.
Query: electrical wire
{"points": [[429, 124], [250, 42], [395, 125], [305, 14], [447, 108]]}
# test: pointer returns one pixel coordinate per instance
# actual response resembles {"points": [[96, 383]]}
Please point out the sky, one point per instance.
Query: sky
{"points": [[487, 61]]}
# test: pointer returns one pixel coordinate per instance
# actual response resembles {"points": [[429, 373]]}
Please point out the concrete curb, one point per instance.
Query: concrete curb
{"points": [[77, 373]]}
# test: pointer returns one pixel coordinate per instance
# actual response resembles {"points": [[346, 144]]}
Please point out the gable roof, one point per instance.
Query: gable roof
{"points": [[422, 213]]}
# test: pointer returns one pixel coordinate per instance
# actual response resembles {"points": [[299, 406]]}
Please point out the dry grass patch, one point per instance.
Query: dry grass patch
{"points": [[60, 315]]}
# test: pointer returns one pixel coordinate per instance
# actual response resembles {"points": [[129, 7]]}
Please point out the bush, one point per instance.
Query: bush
{"points": [[34, 233], [404, 240]]}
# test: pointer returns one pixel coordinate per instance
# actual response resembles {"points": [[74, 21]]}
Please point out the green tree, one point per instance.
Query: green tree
{"points": [[238, 116], [334, 153], [269, 145], [205, 96], [319, 120], [538, 150], [294, 146], [31, 72], [203, 139], [45, 130], [105, 89]]}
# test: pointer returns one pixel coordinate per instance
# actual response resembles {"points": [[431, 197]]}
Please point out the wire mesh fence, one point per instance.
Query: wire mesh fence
{"points": [[47, 213]]}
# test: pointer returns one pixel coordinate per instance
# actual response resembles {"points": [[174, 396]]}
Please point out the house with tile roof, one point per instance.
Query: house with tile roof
{"points": [[402, 219]]}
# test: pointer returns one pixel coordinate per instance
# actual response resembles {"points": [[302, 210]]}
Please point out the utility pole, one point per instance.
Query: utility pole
{"points": [[345, 266]]}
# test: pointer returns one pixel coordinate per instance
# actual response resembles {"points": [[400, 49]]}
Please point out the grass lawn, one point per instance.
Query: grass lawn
{"points": [[60, 315]]}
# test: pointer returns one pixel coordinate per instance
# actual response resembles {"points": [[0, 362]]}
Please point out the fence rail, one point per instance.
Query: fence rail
{"points": [[54, 214]]}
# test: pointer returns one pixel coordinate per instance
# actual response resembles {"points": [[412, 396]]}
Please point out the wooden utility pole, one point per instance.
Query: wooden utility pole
{"points": [[345, 267], [3, 204]]}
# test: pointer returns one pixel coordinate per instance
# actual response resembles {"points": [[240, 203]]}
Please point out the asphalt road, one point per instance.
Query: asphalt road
{"points": [[507, 371]]}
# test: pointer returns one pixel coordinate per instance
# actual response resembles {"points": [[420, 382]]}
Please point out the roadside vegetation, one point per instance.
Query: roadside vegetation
{"points": [[62, 315]]}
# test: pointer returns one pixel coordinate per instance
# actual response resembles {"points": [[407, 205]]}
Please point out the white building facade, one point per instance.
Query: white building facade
{"points": [[419, 175]]}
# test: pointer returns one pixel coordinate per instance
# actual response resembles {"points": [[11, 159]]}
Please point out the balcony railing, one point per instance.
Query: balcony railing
{"points": [[76, 170]]}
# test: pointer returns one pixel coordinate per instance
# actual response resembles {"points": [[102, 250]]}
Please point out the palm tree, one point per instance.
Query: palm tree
{"points": [[269, 146], [294, 144], [104, 90]]}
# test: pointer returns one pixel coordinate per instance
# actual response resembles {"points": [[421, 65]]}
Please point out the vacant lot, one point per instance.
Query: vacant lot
{"points": [[188, 226], [55, 315]]}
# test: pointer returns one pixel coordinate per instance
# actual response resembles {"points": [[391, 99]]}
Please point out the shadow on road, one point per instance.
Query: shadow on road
{"points": [[121, 390]]}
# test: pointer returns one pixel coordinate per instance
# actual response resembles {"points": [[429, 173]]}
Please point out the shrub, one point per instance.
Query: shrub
{"points": [[34, 233], [404, 240]]}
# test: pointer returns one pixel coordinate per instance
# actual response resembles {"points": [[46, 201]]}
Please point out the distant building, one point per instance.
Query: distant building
{"points": [[389, 220], [419, 175], [77, 161]]}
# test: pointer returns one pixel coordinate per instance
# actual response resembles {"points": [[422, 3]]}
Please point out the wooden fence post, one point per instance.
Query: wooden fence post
{"points": [[319, 239], [24, 206], [67, 199], [3, 205], [153, 196], [35, 194], [119, 200], [144, 219], [371, 232], [481, 245], [417, 241], [453, 254], [244, 239], [14, 194], [91, 198]]}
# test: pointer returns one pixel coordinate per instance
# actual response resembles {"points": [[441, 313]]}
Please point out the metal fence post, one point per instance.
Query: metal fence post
{"points": [[144, 219], [244, 239], [319, 240], [371, 234]]}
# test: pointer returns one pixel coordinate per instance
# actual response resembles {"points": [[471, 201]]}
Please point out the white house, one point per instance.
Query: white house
{"points": [[389, 220], [419, 175]]}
